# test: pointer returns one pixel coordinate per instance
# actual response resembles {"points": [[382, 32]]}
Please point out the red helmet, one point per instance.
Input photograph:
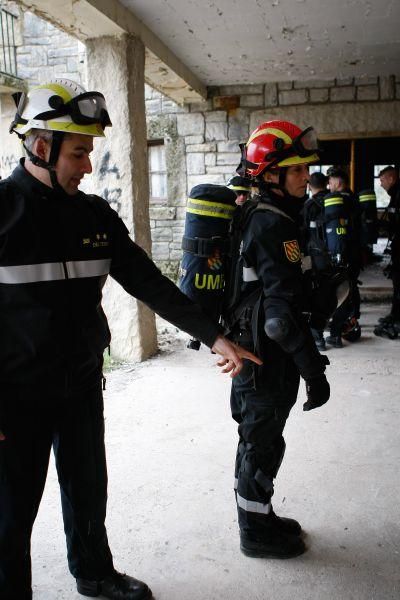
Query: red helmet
{"points": [[277, 144]]}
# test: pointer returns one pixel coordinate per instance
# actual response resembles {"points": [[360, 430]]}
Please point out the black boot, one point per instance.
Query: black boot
{"points": [[274, 543], [286, 525], [387, 330], [115, 586], [334, 340]]}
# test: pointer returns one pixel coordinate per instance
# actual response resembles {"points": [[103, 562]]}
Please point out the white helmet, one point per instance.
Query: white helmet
{"points": [[61, 105]]}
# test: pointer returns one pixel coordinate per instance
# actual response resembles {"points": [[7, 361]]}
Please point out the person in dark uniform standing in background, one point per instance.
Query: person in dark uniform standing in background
{"points": [[57, 247], [350, 309], [269, 317], [242, 188], [314, 240], [389, 326]]}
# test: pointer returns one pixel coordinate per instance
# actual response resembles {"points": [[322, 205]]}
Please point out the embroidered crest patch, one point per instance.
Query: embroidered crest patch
{"points": [[292, 250]]}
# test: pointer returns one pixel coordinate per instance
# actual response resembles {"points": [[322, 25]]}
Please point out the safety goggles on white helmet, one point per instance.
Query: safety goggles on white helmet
{"points": [[86, 109]]}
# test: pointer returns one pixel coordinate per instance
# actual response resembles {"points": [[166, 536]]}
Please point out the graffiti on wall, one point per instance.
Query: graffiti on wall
{"points": [[111, 194], [7, 164]]}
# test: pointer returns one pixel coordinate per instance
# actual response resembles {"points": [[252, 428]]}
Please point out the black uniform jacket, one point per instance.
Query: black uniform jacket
{"points": [[394, 223], [56, 252], [271, 251]]}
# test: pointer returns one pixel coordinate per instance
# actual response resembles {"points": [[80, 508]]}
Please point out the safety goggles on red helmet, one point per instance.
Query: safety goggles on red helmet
{"points": [[306, 143], [85, 109]]}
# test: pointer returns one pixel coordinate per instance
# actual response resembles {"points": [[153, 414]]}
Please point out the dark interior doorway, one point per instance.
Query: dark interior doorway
{"points": [[362, 158]]}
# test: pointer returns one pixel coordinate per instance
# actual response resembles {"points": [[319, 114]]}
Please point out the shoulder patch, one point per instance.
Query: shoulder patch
{"points": [[292, 250]]}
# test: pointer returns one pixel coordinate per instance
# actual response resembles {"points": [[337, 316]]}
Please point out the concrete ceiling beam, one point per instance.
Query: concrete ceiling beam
{"points": [[88, 19]]}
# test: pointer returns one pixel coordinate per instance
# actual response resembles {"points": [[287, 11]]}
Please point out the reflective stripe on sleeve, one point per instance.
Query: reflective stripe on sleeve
{"points": [[252, 506], [367, 198], [333, 201], [77, 269], [54, 271]]}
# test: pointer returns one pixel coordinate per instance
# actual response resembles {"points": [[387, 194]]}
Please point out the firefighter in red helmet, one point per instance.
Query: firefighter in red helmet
{"points": [[269, 317]]}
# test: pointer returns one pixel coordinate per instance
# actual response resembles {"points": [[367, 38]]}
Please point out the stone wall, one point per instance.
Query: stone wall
{"points": [[46, 52], [208, 133]]}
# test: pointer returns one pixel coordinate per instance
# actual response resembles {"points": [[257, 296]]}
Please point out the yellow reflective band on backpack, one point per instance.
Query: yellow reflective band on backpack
{"points": [[209, 209], [367, 198], [333, 201]]}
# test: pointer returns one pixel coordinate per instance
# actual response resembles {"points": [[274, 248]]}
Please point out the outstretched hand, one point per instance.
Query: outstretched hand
{"points": [[231, 356]]}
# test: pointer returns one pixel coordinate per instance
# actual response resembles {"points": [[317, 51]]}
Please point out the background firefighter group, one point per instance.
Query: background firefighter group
{"points": [[338, 231]]}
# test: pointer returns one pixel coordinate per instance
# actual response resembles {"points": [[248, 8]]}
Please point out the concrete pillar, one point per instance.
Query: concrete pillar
{"points": [[10, 145], [120, 175]]}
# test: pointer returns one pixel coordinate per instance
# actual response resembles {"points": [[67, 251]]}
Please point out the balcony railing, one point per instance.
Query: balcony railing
{"points": [[8, 54]]}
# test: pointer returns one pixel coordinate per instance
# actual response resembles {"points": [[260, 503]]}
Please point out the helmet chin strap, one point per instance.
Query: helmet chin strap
{"points": [[57, 139]]}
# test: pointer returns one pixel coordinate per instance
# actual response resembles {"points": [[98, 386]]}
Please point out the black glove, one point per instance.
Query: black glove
{"points": [[318, 392]]}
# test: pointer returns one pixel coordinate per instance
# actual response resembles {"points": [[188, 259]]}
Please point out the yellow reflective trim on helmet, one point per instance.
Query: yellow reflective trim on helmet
{"points": [[94, 129], [58, 89], [298, 160], [277, 132], [239, 188]]}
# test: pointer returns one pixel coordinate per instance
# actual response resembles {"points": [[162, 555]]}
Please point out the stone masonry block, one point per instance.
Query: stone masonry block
{"points": [[344, 81], [228, 170], [194, 139], [170, 107], [387, 88], [216, 116], [57, 52], [315, 83], [190, 124], [72, 64], [216, 178], [211, 147], [203, 106], [365, 81], [195, 163], [367, 92], [160, 250], [239, 125], [240, 90], [216, 131], [210, 159], [319, 95], [228, 146], [252, 100], [271, 94], [161, 234], [228, 158], [291, 97], [285, 85], [343, 94], [153, 106], [157, 213]]}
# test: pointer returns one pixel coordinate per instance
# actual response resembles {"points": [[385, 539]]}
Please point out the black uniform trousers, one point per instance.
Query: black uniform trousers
{"points": [[261, 400], [33, 421]]}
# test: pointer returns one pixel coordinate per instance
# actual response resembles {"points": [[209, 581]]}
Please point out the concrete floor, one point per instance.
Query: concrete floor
{"points": [[171, 517]]}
